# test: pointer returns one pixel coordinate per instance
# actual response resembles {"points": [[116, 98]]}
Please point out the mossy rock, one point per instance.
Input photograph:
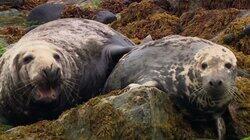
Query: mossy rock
{"points": [[140, 113], [157, 25], [207, 23]]}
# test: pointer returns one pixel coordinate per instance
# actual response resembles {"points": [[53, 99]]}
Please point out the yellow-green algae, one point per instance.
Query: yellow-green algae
{"points": [[74, 11], [137, 12], [207, 23], [105, 118], [240, 111], [144, 18], [157, 25], [235, 29], [114, 6], [223, 4]]}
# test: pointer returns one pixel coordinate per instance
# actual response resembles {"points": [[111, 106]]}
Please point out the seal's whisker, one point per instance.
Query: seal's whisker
{"points": [[71, 89], [74, 87], [26, 85], [237, 94], [69, 81], [69, 92], [67, 97]]}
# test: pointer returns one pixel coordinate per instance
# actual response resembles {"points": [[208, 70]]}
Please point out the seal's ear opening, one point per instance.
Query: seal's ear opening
{"points": [[116, 52]]}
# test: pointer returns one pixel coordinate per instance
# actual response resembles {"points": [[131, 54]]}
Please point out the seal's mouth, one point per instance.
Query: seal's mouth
{"points": [[47, 95]]}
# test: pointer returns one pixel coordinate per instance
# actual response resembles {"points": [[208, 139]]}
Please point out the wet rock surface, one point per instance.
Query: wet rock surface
{"points": [[45, 13], [105, 17]]}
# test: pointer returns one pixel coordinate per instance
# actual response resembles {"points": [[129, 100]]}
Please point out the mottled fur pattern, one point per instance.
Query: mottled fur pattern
{"points": [[85, 48], [175, 64]]}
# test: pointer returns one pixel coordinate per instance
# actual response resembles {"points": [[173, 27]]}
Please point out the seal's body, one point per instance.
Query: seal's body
{"points": [[199, 74], [55, 66]]}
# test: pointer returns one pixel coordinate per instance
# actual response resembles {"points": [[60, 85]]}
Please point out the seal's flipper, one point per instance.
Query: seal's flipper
{"points": [[117, 51], [221, 128]]}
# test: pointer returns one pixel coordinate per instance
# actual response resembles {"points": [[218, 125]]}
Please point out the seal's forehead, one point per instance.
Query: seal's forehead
{"points": [[34, 46], [216, 52]]}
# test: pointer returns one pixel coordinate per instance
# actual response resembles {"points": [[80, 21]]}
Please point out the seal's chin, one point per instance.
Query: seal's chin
{"points": [[217, 94]]}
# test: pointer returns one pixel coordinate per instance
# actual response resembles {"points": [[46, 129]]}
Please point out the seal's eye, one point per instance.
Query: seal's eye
{"points": [[204, 66], [27, 59], [228, 65], [57, 57]]}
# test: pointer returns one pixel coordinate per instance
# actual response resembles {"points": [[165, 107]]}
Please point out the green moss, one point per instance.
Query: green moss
{"points": [[43, 129], [4, 128], [3, 44], [248, 138]]}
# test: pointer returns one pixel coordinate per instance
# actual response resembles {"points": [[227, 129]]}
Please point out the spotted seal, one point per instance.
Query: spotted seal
{"points": [[198, 74], [55, 66]]}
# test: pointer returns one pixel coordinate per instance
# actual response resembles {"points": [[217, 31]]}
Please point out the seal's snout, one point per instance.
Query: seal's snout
{"points": [[51, 72], [215, 83], [52, 75]]}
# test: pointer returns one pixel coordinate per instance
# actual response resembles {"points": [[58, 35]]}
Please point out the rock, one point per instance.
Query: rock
{"points": [[147, 39], [12, 17], [45, 13], [140, 113], [246, 31], [11, 12], [14, 3], [105, 17], [229, 39]]}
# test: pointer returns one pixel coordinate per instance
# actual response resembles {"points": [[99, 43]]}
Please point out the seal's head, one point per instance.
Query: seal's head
{"points": [[39, 72], [216, 68]]}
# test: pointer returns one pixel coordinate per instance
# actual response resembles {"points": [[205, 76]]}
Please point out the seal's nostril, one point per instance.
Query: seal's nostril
{"points": [[211, 83], [219, 82]]}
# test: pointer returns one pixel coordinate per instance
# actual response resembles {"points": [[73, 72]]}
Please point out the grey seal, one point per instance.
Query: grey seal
{"points": [[198, 74], [55, 66]]}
